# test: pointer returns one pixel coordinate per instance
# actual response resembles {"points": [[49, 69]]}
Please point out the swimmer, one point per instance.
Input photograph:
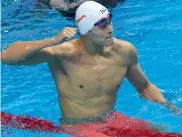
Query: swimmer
{"points": [[68, 7], [89, 70]]}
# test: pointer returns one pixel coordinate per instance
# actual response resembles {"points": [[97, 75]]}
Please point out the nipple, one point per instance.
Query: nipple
{"points": [[81, 86]]}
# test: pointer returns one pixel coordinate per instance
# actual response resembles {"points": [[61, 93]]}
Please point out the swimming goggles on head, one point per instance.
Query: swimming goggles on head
{"points": [[102, 23]]}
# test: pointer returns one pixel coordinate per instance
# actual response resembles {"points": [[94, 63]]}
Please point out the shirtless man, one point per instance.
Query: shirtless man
{"points": [[68, 7], [87, 71]]}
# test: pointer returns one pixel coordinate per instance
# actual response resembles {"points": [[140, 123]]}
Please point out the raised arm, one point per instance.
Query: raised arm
{"points": [[145, 88], [34, 52], [66, 7]]}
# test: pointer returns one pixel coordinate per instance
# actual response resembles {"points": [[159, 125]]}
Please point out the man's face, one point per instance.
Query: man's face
{"points": [[102, 32]]}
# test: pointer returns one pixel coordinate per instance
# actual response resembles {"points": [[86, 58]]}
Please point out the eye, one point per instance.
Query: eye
{"points": [[103, 21]]}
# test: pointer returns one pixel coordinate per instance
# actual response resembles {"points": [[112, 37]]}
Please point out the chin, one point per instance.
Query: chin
{"points": [[109, 42]]}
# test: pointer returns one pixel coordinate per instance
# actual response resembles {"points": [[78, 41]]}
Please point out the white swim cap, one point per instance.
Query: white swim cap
{"points": [[88, 13]]}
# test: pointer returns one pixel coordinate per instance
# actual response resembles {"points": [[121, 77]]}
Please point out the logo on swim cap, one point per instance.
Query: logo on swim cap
{"points": [[87, 14], [80, 18], [102, 10]]}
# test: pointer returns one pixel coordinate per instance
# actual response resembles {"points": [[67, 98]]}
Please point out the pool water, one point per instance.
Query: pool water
{"points": [[153, 26]]}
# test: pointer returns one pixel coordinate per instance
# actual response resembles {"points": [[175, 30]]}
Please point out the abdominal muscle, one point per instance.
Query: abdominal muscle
{"points": [[77, 107]]}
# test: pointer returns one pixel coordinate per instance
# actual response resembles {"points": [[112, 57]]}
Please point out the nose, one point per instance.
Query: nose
{"points": [[109, 29], [110, 33]]}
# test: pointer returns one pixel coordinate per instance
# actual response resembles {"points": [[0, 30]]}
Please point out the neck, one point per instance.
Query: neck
{"points": [[90, 47]]}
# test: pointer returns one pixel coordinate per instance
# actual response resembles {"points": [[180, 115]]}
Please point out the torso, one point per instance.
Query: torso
{"points": [[87, 85]]}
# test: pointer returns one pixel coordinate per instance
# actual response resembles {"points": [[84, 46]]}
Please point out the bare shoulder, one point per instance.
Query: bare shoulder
{"points": [[124, 46], [126, 49], [65, 49]]}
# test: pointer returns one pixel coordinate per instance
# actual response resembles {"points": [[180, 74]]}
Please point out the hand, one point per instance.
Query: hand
{"points": [[174, 109], [64, 6], [66, 34], [70, 6]]}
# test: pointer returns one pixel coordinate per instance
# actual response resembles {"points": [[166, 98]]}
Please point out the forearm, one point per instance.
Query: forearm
{"points": [[151, 92], [19, 51]]}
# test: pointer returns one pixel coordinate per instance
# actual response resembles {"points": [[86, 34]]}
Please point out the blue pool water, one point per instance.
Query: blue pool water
{"points": [[153, 26]]}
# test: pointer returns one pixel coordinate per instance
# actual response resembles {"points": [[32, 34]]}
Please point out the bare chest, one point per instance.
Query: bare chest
{"points": [[96, 75]]}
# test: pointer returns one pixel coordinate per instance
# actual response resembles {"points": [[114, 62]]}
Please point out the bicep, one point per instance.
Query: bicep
{"points": [[134, 72], [42, 56], [137, 77], [49, 54]]}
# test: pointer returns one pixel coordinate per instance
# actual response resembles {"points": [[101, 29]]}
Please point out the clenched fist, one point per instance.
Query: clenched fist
{"points": [[67, 33]]}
